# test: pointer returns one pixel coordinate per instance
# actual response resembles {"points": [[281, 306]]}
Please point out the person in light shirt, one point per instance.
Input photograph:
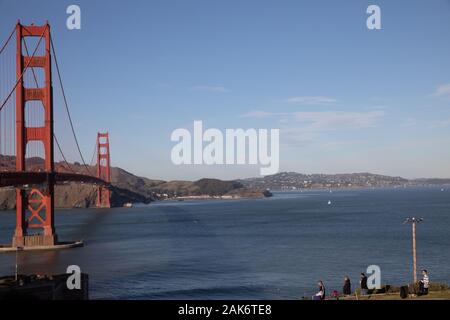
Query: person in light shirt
{"points": [[424, 283]]}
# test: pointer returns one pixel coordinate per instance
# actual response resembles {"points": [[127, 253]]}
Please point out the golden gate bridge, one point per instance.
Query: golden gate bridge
{"points": [[27, 138]]}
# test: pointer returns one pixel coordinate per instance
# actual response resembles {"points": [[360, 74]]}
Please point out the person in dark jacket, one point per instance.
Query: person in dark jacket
{"points": [[363, 283], [320, 295], [347, 289]]}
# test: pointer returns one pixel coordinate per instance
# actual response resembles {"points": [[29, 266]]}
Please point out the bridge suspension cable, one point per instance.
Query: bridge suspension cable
{"points": [[7, 114], [10, 94], [54, 135], [35, 189], [7, 41], [67, 105], [24, 69], [94, 154]]}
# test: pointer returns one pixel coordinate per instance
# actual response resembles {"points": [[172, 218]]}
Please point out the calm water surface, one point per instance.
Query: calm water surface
{"points": [[274, 248]]}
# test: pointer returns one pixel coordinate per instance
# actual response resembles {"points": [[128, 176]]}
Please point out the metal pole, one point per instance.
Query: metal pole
{"points": [[414, 252], [414, 221], [17, 262], [16, 272]]}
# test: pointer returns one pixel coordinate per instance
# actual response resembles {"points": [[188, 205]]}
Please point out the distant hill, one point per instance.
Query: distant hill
{"points": [[431, 181], [294, 180], [127, 187]]}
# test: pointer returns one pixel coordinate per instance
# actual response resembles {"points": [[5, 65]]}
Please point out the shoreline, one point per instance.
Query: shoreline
{"points": [[259, 197]]}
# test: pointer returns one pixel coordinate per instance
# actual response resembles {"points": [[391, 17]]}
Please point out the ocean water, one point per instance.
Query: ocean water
{"points": [[275, 248]]}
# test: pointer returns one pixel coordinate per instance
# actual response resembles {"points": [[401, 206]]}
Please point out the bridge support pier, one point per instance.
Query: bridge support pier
{"points": [[34, 210], [35, 240]]}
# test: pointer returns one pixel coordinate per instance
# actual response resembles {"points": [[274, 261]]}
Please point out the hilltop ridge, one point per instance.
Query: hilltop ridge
{"points": [[295, 180]]}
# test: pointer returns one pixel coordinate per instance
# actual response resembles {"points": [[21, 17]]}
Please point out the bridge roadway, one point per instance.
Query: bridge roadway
{"points": [[21, 178]]}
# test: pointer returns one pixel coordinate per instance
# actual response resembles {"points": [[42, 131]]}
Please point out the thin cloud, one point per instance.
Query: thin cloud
{"points": [[257, 114], [336, 120], [439, 124], [299, 128], [311, 100], [409, 122], [216, 89], [163, 85], [442, 91], [323, 120], [377, 107]]}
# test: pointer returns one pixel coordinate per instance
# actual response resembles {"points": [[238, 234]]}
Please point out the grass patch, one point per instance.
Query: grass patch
{"points": [[437, 291]]}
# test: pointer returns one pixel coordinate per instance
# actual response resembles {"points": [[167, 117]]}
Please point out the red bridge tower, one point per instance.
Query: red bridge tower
{"points": [[34, 209], [103, 169]]}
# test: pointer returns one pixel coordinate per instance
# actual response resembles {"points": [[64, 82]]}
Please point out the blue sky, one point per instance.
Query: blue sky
{"points": [[346, 99]]}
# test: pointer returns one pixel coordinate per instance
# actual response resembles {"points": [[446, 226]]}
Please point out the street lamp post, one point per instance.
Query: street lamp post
{"points": [[414, 221], [17, 262]]}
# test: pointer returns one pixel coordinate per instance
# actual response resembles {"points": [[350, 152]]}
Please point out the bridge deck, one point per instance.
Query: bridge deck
{"points": [[20, 178]]}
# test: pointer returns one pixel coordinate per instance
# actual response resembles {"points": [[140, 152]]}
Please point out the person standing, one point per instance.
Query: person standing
{"points": [[363, 283], [424, 283], [347, 289]]}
